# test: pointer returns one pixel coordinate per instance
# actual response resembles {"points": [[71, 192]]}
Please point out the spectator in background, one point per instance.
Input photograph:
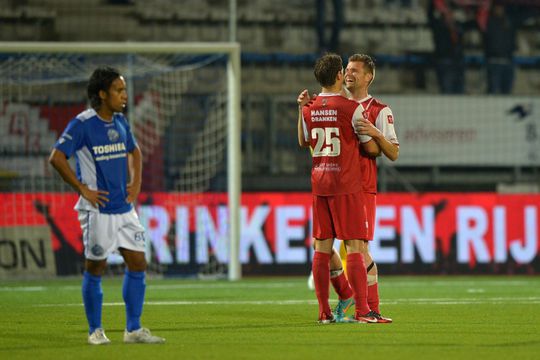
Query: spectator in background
{"points": [[499, 21], [448, 40], [499, 35], [333, 44]]}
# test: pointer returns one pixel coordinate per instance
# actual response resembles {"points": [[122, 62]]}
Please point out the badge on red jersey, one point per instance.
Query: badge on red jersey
{"points": [[324, 102], [390, 119], [365, 114]]}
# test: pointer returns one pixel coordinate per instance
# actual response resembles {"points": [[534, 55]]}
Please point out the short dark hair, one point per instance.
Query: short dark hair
{"points": [[368, 62], [101, 79], [326, 69]]}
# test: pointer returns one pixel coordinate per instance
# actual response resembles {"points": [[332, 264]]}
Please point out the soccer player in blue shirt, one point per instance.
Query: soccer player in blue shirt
{"points": [[107, 157]]}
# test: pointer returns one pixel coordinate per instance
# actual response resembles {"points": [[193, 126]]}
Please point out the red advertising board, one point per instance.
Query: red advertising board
{"points": [[415, 233]]}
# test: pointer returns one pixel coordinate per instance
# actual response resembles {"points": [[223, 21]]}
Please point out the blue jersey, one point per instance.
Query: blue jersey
{"points": [[100, 149]]}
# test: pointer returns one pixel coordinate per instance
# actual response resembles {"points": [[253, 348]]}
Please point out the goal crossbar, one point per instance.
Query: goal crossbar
{"points": [[120, 47]]}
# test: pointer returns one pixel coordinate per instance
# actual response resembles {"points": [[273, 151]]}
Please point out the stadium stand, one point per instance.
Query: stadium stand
{"points": [[278, 50]]}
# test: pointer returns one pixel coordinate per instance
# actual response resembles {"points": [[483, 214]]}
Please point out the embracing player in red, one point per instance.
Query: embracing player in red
{"points": [[339, 210], [377, 122]]}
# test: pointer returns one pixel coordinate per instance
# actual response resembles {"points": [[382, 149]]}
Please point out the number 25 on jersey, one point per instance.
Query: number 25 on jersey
{"points": [[328, 143]]}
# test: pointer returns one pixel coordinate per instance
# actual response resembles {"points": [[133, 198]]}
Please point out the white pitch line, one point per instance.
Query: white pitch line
{"points": [[460, 283], [225, 286], [468, 284], [476, 291], [468, 302], [418, 301], [203, 285], [22, 288], [203, 302]]}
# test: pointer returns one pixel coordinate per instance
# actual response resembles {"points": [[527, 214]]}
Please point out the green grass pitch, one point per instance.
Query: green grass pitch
{"points": [[275, 318]]}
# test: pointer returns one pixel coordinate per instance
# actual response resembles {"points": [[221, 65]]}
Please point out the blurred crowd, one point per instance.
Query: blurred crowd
{"points": [[497, 21]]}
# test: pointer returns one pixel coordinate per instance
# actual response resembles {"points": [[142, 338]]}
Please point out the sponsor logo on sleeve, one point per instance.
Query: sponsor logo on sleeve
{"points": [[390, 119]]}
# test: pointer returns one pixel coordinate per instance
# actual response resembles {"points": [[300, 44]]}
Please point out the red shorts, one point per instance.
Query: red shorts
{"points": [[340, 216], [371, 206]]}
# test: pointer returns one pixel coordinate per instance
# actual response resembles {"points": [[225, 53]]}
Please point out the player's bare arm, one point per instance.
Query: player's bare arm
{"points": [[301, 140], [59, 161], [389, 149], [302, 100], [135, 174], [371, 148]]}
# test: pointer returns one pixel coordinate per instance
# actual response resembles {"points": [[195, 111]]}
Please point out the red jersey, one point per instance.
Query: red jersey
{"points": [[381, 117], [328, 127]]}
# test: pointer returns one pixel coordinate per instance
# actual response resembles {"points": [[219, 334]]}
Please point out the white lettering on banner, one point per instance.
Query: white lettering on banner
{"points": [[499, 234], [252, 235], [414, 235], [414, 243], [207, 235], [471, 230], [527, 252], [286, 232], [158, 216], [472, 236], [182, 234], [384, 232]]}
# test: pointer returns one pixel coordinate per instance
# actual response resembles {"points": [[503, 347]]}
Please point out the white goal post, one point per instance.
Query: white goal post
{"points": [[233, 113]]}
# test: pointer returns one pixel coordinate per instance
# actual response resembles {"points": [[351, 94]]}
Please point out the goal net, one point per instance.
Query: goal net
{"points": [[184, 109]]}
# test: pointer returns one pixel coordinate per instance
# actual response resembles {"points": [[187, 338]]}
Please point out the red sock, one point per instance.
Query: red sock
{"points": [[373, 297], [321, 277], [341, 286], [357, 275]]}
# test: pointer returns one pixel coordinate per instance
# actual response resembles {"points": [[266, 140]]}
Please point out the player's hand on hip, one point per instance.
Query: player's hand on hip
{"points": [[95, 197], [133, 190]]}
